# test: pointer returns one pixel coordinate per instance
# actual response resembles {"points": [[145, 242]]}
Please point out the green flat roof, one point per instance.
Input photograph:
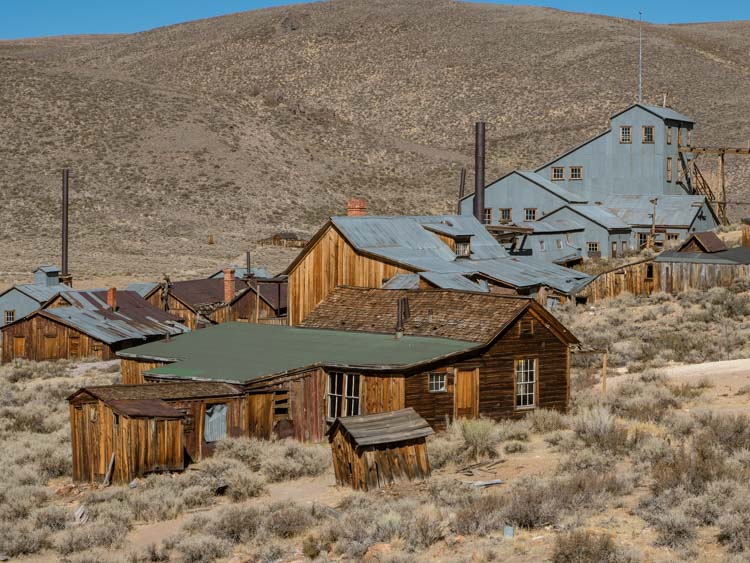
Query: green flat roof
{"points": [[241, 352]]}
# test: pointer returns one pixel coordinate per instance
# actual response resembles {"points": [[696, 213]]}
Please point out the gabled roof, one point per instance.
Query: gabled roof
{"points": [[707, 241], [594, 213], [48, 269], [671, 210], [143, 288], [383, 428], [574, 149], [731, 257], [478, 317], [406, 242], [665, 114], [241, 272], [197, 293], [39, 292], [402, 281], [542, 182], [551, 226], [239, 352]]}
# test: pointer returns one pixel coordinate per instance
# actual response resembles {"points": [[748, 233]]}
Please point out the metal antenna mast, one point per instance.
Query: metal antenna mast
{"points": [[640, 57]]}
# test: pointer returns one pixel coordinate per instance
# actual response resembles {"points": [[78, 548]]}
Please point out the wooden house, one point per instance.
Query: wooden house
{"points": [[203, 302], [458, 354], [86, 324], [701, 262], [127, 431], [374, 450], [447, 252]]}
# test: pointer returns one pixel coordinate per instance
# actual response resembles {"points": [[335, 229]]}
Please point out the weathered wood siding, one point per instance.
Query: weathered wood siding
{"points": [[373, 467], [181, 311], [140, 445], [260, 410], [331, 262], [39, 338], [195, 411], [244, 309], [497, 376], [647, 277], [133, 370]]}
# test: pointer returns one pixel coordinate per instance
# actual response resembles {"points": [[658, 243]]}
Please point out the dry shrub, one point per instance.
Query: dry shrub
{"points": [[243, 485], [598, 427], [708, 507], [269, 552], [285, 519], [451, 493], [690, 467], [544, 421], [423, 528], [22, 538], [481, 515], [16, 503], [52, 518], [673, 529], [530, 505], [89, 535], [515, 447], [24, 370], [513, 430], [480, 437], [236, 524], [734, 525], [583, 459], [296, 460], [731, 431], [200, 548], [581, 546], [151, 554], [249, 451], [445, 448]]}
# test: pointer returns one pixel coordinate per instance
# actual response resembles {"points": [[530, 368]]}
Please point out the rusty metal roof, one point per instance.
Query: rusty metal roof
{"points": [[708, 241], [383, 428], [195, 293]]}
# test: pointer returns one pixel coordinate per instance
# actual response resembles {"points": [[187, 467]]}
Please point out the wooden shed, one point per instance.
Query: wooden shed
{"points": [[128, 431], [374, 450]]}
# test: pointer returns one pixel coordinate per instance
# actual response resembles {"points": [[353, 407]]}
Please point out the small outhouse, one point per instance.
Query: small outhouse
{"points": [[374, 450]]}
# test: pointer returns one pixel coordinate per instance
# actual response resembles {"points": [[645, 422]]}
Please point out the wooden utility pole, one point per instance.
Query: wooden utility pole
{"points": [[604, 372]]}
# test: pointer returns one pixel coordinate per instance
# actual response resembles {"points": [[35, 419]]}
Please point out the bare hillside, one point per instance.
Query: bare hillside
{"points": [[262, 121]]}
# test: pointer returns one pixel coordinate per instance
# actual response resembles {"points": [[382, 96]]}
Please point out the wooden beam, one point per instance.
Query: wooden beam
{"points": [[714, 150]]}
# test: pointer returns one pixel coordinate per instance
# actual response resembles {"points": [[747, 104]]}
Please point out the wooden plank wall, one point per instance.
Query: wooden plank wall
{"points": [[373, 467], [244, 310], [133, 370], [260, 409], [46, 339], [667, 277], [331, 262], [497, 377], [382, 393]]}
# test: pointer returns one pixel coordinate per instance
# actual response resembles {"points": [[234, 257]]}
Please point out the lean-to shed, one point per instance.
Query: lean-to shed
{"points": [[371, 451], [141, 429]]}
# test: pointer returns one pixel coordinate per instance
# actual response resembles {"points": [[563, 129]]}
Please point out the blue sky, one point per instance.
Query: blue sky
{"points": [[33, 18]]}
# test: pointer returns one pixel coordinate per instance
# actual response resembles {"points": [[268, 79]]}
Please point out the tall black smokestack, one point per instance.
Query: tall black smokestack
{"points": [[479, 172], [64, 264]]}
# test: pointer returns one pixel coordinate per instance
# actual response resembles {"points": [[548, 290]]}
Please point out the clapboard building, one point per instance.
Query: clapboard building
{"points": [[456, 354]]}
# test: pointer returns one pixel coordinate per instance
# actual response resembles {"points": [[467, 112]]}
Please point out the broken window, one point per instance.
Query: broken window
{"points": [[463, 249], [437, 383], [650, 272], [526, 328], [215, 423]]}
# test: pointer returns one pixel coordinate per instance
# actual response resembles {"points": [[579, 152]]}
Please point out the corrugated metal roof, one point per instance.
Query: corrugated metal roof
{"points": [[48, 269], [550, 186], [734, 256], [671, 210], [551, 226], [142, 288], [667, 113], [241, 272], [383, 428], [451, 281], [404, 240], [598, 214], [241, 352], [402, 281], [41, 293]]}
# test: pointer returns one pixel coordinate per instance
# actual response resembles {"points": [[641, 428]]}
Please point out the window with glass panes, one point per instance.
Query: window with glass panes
{"points": [[525, 383], [343, 394], [648, 134], [506, 216], [10, 316], [436, 382], [530, 214], [576, 172], [558, 173], [626, 134], [487, 216], [592, 247]]}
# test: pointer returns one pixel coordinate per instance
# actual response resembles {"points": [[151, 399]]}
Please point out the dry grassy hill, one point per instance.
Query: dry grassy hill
{"points": [[246, 124]]}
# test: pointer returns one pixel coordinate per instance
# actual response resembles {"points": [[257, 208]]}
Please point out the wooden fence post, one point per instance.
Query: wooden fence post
{"points": [[604, 373]]}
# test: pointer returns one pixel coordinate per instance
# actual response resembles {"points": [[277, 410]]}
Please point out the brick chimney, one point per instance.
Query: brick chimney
{"points": [[746, 232], [356, 207], [112, 298], [228, 284]]}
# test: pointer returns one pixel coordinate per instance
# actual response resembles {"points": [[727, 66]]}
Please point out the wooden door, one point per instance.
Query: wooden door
{"points": [[466, 397], [19, 346], [74, 347], [614, 249]]}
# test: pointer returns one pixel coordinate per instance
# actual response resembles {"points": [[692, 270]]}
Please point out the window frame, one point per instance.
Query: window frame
{"points": [[559, 243], [226, 421], [672, 237], [580, 173], [624, 246], [502, 210], [670, 167], [561, 170], [644, 140], [9, 313], [542, 246], [518, 361], [463, 248], [593, 247], [526, 213], [642, 237], [487, 216], [345, 398], [434, 376], [669, 134], [629, 129], [525, 328]]}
